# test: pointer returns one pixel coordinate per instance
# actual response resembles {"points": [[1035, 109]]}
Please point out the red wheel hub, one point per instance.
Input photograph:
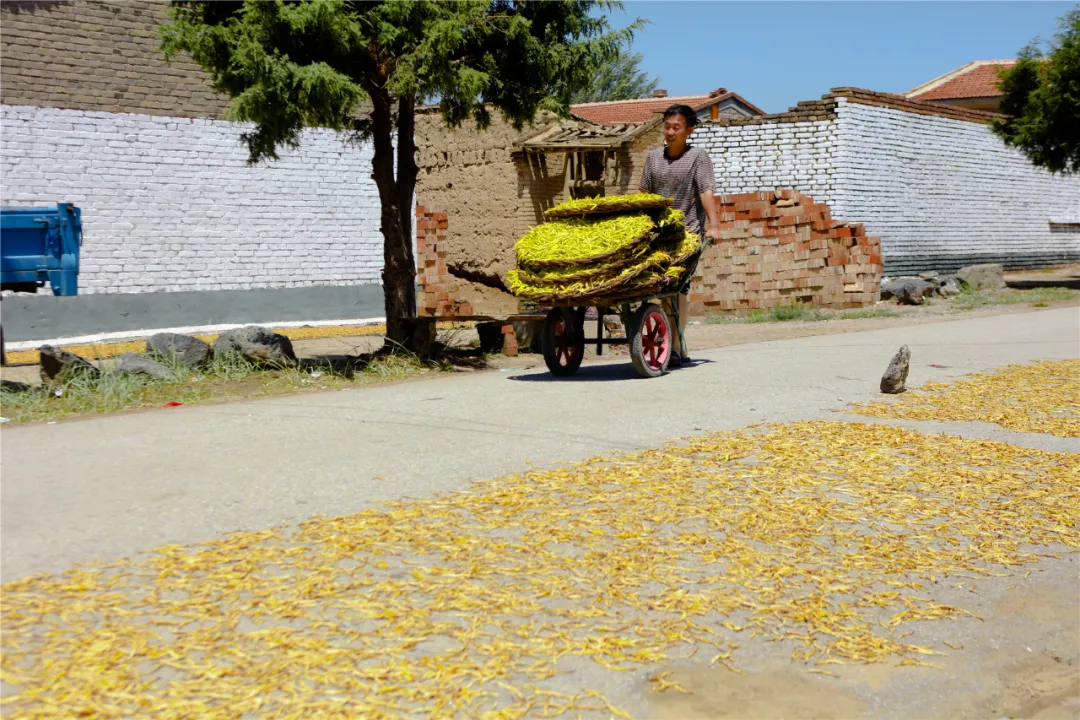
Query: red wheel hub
{"points": [[655, 340]]}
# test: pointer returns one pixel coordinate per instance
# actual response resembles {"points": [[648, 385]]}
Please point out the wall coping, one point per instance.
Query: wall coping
{"points": [[825, 109]]}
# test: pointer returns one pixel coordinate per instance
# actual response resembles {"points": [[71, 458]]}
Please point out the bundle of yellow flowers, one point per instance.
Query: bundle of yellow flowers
{"points": [[598, 251]]}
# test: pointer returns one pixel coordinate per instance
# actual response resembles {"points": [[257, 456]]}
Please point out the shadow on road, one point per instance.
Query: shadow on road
{"points": [[608, 372]]}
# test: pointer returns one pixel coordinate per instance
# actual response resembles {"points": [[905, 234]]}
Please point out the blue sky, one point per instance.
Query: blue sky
{"points": [[777, 53]]}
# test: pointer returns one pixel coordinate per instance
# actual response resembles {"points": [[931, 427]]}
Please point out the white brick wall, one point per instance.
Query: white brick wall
{"points": [[170, 203], [750, 158], [941, 193], [944, 193]]}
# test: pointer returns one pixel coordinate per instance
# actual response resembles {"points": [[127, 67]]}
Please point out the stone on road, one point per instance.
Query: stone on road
{"points": [[895, 377]]}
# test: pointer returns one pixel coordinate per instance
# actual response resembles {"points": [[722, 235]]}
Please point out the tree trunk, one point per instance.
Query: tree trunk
{"points": [[395, 195]]}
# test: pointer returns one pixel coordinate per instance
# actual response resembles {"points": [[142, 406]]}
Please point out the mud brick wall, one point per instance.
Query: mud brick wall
{"points": [[782, 248], [437, 290]]}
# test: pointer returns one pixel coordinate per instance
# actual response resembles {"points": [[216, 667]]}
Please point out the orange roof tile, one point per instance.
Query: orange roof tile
{"points": [[646, 109], [976, 79]]}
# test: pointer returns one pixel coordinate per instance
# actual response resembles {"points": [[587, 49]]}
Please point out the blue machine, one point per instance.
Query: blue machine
{"points": [[39, 245]]}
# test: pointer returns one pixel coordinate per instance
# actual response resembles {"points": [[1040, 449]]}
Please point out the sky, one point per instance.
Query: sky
{"points": [[775, 54]]}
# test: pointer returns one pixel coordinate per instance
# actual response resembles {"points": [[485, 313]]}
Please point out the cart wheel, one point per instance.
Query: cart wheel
{"points": [[563, 341], [650, 341]]}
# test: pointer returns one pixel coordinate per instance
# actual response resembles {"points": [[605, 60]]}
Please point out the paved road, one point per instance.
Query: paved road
{"points": [[113, 486]]}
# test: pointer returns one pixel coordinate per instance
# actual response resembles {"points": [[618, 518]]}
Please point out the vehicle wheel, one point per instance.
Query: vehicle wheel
{"points": [[564, 341], [650, 341]]}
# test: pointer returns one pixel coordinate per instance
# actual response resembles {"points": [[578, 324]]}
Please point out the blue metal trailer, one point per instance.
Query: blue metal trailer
{"points": [[39, 245]]}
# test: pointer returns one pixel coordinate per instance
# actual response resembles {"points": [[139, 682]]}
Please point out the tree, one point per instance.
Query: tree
{"points": [[621, 79], [1041, 96], [289, 65]]}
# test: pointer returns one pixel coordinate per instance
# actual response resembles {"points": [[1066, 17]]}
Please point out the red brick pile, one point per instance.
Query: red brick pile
{"points": [[782, 248], [438, 288]]}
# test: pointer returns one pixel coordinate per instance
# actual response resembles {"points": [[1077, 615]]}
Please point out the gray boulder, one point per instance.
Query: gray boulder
{"points": [[57, 364], [184, 349], [895, 378], [132, 363], [989, 276], [907, 290], [257, 344], [948, 286]]}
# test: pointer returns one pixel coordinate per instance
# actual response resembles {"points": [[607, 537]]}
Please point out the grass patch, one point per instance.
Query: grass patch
{"points": [[800, 313], [226, 377], [969, 299]]}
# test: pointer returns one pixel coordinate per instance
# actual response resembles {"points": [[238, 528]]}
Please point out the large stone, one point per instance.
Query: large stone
{"points": [[895, 378], [948, 286], [256, 344], [183, 349], [132, 363], [57, 364], [989, 276], [530, 335], [907, 290]]}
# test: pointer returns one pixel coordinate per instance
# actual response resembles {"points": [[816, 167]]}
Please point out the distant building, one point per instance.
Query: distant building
{"points": [[720, 103], [973, 86]]}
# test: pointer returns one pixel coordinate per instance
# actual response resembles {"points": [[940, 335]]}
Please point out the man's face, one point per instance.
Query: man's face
{"points": [[676, 131]]}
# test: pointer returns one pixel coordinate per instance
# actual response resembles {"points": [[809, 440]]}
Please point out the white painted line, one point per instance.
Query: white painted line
{"points": [[193, 330]]}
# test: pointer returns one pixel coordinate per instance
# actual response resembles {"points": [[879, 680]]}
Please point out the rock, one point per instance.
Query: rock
{"points": [[529, 335], [895, 377], [907, 290], [989, 276], [929, 275], [613, 326], [183, 349], [133, 363], [63, 365], [13, 386], [948, 286], [256, 344]]}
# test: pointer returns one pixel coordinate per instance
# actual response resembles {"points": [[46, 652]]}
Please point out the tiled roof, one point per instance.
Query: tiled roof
{"points": [[975, 80], [645, 109]]}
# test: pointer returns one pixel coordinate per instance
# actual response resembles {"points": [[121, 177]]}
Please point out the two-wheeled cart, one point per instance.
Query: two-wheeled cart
{"points": [[649, 330]]}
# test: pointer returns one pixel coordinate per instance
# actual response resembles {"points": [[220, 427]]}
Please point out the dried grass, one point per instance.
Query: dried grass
{"points": [[608, 204], [825, 536], [1043, 397]]}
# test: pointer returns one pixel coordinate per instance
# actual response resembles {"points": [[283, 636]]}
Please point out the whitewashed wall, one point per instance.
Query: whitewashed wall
{"points": [[941, 193], [170, 204], [750, 158]]}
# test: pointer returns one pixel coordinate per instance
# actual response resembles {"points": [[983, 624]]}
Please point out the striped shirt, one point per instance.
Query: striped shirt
{"points": [[683, 179]]}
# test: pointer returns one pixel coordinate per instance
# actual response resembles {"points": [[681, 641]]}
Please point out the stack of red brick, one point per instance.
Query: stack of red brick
{"points": [[438, 288], [782, 248]]}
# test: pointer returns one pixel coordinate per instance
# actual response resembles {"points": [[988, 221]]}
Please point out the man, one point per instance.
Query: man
{"points": [[684, 173]]}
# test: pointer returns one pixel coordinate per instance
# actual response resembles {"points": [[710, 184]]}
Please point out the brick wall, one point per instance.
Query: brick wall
{"points": [[932, 181], [98, 56], [438, 291], [943, 191], [92, 114], [171, 204], [781, 248]]}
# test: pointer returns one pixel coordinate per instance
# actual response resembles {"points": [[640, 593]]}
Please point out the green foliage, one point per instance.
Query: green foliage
{"points": [[620, 79], [1041, 96], [291, 65]]}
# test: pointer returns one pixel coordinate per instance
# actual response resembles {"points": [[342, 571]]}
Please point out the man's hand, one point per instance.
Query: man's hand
{"points": [[713, 234]]}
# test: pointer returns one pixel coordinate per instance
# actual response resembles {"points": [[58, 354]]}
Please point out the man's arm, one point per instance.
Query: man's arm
{"points": [[712, 224]]}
